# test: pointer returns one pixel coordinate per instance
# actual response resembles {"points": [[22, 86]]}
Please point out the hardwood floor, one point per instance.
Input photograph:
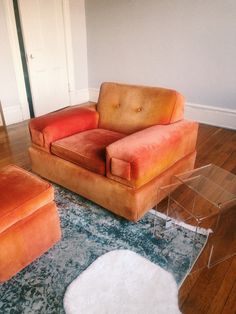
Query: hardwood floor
{"points": [[207, 291], [14, 142], [213, 290]]}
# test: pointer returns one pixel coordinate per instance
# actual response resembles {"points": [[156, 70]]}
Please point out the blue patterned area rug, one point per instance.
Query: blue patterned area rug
{"points": [[88, 231]]}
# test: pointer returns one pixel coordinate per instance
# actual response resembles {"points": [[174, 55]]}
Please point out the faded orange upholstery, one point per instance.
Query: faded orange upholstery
{"points": [[134, 141], [87, 149], [29, 223], [129, 108], [54, 126], [142, 156]]}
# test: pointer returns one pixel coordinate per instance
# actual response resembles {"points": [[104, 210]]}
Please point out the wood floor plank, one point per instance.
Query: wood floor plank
{"points": [[230, 163], [205, 288], [14, 143], [205, 132], [187, 286], [216, 149], [219, 301], [230, 306]]}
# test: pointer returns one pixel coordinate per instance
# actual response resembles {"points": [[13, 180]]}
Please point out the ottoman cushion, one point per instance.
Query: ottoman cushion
{"points": [[21, 194], [28, 239], [29, 222]]}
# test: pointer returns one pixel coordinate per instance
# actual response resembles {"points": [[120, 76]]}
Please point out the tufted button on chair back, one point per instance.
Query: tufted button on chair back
{"points": [[130, 108]]}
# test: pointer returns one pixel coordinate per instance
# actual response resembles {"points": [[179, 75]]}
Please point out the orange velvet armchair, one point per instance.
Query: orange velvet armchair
{"points": [[119, 151]]}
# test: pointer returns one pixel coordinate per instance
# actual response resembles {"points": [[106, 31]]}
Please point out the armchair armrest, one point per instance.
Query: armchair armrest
{"points": [[53, 126], [141, 156]]}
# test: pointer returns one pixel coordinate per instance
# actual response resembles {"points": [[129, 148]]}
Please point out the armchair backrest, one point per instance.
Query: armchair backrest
{"points": [[130, 108]]}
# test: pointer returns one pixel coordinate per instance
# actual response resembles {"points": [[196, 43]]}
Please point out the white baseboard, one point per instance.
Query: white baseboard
{"points": [[217, 116], [79, 96], [12, 114], [25, 111], [93, 94]]}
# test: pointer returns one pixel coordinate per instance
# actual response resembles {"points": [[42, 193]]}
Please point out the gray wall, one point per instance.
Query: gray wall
{"points": [[8, 88], [188, 45], [79, 43]]}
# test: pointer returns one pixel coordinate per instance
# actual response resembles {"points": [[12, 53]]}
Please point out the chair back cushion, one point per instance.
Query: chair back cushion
{"points": [[130, 108]]}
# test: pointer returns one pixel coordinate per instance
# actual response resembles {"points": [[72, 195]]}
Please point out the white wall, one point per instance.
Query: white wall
{"points": [[187, 45], [1, 122], [9, 96], [79, 43], [79, 90], [1, 115]]}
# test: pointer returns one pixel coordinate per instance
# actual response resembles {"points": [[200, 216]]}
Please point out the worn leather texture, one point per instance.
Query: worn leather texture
{"points": [[130, 108]]}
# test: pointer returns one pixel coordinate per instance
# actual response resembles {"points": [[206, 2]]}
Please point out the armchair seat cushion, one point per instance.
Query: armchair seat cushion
{"points": [[87, 149]]}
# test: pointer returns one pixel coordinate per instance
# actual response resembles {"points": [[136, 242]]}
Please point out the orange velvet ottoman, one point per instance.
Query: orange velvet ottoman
{"points": [[29, 222]]}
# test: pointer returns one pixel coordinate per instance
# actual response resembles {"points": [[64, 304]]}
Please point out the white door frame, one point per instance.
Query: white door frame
{"points": [[15, 49]]}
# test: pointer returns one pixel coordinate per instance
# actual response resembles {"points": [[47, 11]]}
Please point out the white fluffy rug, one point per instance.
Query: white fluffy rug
{"points": [[122, 282]]}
